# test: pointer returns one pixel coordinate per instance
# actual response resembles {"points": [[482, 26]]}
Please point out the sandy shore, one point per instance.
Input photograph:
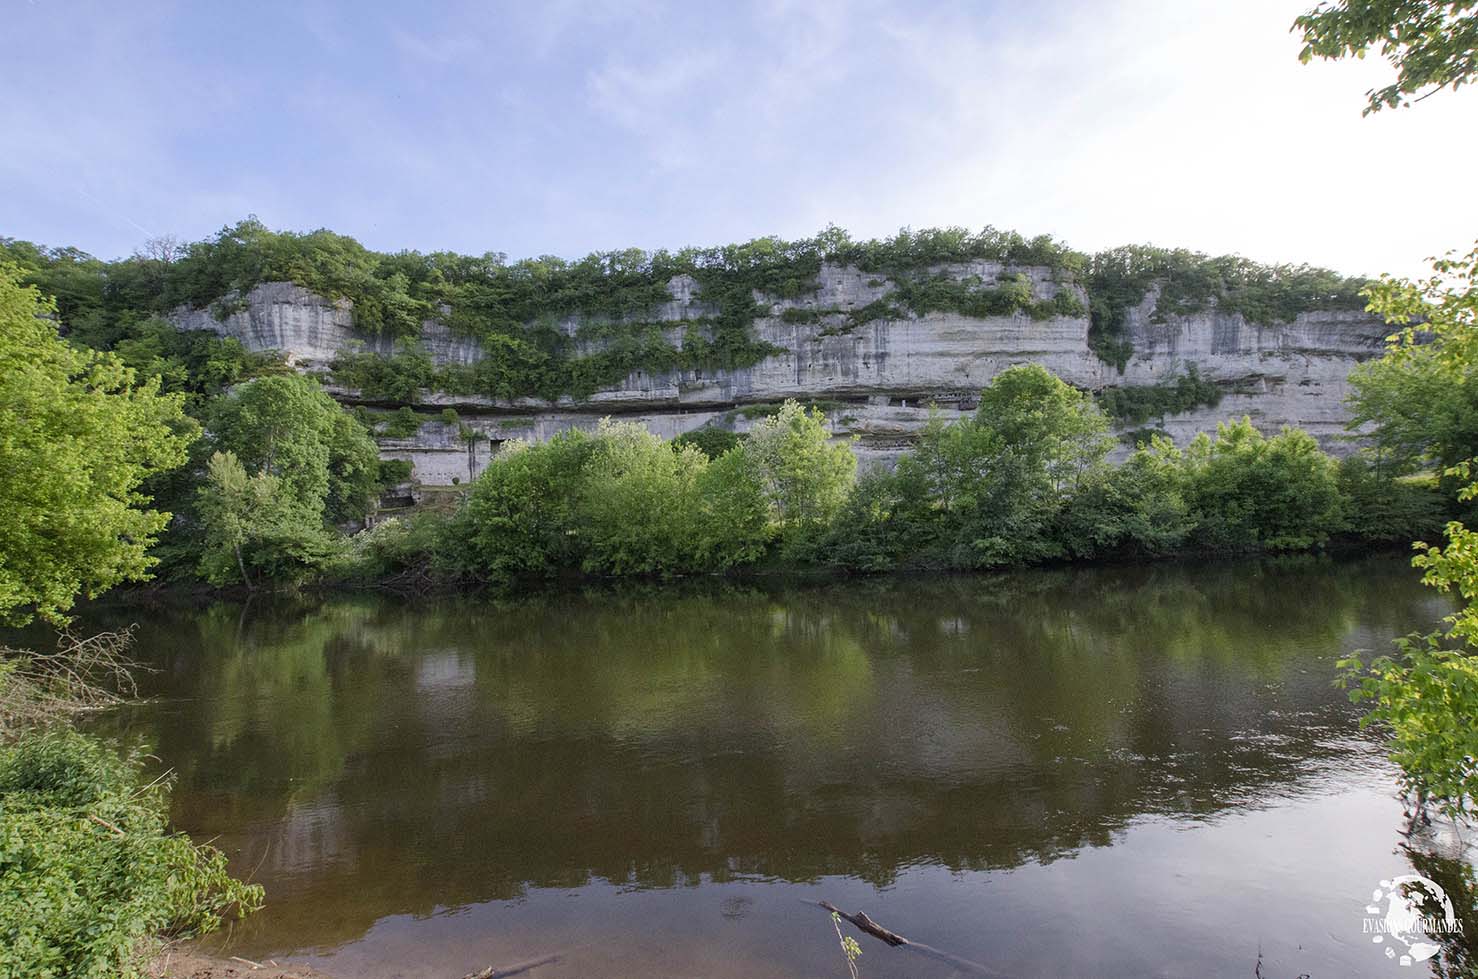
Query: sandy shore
{"points": [[186, 963]]}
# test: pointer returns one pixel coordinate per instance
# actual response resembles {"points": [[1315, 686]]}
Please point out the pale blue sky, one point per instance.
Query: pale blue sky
{"points": [[563, 127]]}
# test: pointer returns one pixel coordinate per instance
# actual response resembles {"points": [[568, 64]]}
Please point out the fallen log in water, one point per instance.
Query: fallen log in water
{"points": [[496, 972], [863, 923]]}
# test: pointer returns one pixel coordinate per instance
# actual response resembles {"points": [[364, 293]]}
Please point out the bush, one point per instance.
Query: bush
{"points": [[1248, 492], [400, 377], [518, 518], [415, 547], [637, 509], [1190, 282], [712, 442], [1137, 405], [403, 423], [393, 472], [1396, 510], [889, 521], [89, 871], [1136, 509], [805, 478], [619, 501]]}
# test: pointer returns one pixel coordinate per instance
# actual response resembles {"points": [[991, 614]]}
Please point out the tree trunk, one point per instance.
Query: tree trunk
{"points": [[242, 565]]}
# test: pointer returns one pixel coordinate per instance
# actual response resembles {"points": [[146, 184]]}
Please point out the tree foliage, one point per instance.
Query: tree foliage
{"points": [[289, 427], [711, 441], [79, 436], [1250, 492], [1433, 44], [804, 476], [1421, 398], [523, 312], [1138, 404], [621, 501], [252, 526], [1426, 695], [1187, 282]]}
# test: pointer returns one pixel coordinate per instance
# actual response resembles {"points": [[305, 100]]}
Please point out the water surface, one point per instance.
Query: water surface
{"points": [[1117, 771]]}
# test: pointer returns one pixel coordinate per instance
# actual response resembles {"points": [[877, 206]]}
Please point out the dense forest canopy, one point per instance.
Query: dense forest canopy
{"points": [[515, 309]]}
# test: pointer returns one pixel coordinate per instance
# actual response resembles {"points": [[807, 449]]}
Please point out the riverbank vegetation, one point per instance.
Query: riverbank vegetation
{"points": [[90, 872], [1026, 480], [1420, 399], [1425, 695]]}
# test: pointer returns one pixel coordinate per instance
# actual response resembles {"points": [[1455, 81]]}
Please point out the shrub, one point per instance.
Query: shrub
{"points": [[89, 871], [1379, 507], [402, 423], [1138, 508], [889, 521], [518, 518], [397, 548], [1137, 405], [393, 472], [805, 478], [1248, 492], [637, 504], [712, 442]]}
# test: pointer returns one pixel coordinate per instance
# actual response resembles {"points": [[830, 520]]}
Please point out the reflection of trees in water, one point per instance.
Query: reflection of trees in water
{"points": [[403, 757], [1449, 865]]}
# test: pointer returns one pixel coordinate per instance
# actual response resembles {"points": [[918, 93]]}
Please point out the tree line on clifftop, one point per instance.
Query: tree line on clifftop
{"points": [[516, 309]]}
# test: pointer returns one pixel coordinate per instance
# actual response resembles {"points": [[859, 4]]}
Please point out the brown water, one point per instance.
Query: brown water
{"points": [[1120, 771]]}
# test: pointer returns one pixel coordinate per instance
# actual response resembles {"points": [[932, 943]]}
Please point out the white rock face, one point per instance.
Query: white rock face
{"points": [[884, 374]]}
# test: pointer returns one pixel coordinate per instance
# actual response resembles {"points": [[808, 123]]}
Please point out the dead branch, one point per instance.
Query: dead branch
{"points": [[494, 972], [83, 673], [863, 923]]}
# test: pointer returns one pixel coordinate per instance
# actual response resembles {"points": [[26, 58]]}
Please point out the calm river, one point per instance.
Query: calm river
{"points": [[1132, 771]]}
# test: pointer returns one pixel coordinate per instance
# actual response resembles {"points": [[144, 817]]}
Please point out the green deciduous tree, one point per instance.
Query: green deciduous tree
{"points": [[1049, 424], [1433, 44], [288, 427], [733, 519], [638, 502], [616, 501], [1138, 508], [712, 442], [1248, 492], [1002, 477], [253, 524], [79, 435], [353, 470], [804, 475], [890, 520], [1421, 398], [1426, 695], [518, 518]]}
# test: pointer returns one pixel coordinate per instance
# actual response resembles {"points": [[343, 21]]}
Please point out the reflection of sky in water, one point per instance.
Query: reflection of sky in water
{"points": [[1124, 771], [445, 670], [1165, 899]]}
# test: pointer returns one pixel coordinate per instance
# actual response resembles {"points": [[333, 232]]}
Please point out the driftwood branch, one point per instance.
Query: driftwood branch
{"points": [[497, 972], [863, 923]]}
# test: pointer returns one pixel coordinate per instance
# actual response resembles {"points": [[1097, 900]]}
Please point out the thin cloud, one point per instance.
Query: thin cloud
{"points": [[565, 127]]}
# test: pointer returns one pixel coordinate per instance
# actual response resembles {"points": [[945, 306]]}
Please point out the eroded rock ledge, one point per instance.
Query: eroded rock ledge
{"points": [[876, 380]]}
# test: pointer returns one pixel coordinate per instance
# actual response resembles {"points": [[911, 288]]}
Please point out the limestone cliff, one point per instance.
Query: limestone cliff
{"points": [[877, 379]]}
